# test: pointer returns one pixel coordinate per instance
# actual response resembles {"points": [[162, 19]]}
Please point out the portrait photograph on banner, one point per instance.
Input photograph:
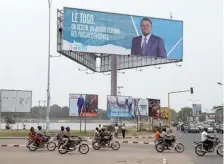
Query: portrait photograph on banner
{"points": [[119, 106], [154, 107]]}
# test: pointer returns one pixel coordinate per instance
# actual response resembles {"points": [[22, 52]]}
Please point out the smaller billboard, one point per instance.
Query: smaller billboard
{"points": [[154, 107], [15, 100], [164, 113], [196, 109], [141, 107], [210, 117], [119, 106], [83, 104]]}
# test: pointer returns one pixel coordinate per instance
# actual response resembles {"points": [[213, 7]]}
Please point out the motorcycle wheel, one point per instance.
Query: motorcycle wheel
{"points": [[51, 146], [179, 147], [198, 150], [83, 148], [62, 151], [220, 150], [96, 145], [159, 147], [32, 146], [115, 145]]}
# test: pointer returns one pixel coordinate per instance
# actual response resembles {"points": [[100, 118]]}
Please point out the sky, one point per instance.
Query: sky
{"points": [[24, 50]]}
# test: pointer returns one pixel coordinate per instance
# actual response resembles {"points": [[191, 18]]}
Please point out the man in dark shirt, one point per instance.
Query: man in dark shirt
{"points": [[105, 136]]}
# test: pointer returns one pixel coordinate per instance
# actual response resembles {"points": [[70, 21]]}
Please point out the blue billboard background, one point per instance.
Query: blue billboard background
{"points": [[119, 106], [100, 32]]}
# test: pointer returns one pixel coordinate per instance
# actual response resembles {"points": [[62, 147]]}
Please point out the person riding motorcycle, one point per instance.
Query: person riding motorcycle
{"points": [[206, 139], [39, 135], [66, 137], [104, 136], [167, 138], [96, 133], [32, 134], [60, 133]]}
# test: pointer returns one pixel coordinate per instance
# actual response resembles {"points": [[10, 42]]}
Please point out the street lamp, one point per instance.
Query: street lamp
{"points": [[219, 83]]}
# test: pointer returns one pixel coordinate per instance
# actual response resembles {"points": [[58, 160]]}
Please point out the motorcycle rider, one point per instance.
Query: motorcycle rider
{"points": [[104, 136], [206, 139], [167, 138], [60, 133], [66, 137], [39, 135], [96, 133]]}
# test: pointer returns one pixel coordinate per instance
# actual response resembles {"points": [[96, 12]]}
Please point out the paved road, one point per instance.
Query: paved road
{"points": [[188, 140], [128, 152], [131, 153]]}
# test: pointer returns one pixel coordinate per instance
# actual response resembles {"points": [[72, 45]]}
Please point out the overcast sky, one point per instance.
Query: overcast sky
{"points": [[24, 40]]}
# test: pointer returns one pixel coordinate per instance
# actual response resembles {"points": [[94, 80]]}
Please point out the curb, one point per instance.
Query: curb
{"points": [[12, 145]]}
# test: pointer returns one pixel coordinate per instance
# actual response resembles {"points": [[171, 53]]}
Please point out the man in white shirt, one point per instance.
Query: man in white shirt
{"points": [[206, 139], [116, 131]]}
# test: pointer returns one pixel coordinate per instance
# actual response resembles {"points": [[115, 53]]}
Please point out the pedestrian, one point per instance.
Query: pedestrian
{"points": [[123, 130], [116, 131], [100, 128]]}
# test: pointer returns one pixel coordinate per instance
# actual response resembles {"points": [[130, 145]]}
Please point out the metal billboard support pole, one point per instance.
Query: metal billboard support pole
{"points": [[113, 76], [49, 66]]}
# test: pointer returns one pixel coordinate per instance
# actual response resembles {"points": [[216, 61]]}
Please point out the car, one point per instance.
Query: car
{"points": [[210, 128], [219, 128], [193, 129]]}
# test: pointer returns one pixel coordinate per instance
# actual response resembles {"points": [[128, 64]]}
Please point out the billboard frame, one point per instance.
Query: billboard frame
{"points": [[31, 99], [103, 56]]}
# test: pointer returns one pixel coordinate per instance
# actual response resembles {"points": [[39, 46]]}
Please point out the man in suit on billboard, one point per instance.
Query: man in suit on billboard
{"points": [[148, 44], [80, 104]]}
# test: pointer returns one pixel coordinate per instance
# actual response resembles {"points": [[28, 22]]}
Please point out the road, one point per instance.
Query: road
{"points": [[131, 153], [188, 140]]}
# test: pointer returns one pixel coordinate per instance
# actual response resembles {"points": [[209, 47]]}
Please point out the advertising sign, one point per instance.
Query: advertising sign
{"points": [[140, 107], [119, 34], [15, 100], [196, 109], [210, 117], [119, 106], [83, 105], [154, 107], [164, 113]]}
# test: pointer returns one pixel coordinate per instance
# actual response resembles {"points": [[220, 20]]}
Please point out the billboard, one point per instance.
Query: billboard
{"points": [[120, 34], [119, 106], [15, 100], [83, 104], [210, 117], [164, 113], [154, 107], [196, 109], [140, 107]]}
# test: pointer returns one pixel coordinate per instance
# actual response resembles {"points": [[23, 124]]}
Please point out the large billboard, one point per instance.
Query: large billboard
{"points": [[154, 107], [164, 113], [15, 101], [119, 106], [83, 104], [210, 117], [196, 109], [120, 34]]}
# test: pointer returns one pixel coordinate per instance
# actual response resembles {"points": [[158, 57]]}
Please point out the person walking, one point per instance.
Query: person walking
{"points": [[123, 130], [116, 131]]}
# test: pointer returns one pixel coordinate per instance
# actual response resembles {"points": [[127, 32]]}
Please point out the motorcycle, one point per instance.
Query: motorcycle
{"points": [[72, 146], [161, 146], [201, 151], [97, 144], [34, 145]]}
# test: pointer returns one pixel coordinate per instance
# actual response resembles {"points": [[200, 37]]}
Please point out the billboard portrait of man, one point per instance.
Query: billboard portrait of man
{"points": [[80, 104], [148, 44]]}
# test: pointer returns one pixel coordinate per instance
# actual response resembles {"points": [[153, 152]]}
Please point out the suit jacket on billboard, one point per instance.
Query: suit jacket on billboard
{"points": [[155, 47], [80, 102]]}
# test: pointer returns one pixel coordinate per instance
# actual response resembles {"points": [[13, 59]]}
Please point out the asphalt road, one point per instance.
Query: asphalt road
{"points": [[128, 152], [188, 140]]}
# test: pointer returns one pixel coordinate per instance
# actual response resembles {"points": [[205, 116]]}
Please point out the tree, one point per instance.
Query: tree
{"points": [[184, 113], [8, 122]]}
